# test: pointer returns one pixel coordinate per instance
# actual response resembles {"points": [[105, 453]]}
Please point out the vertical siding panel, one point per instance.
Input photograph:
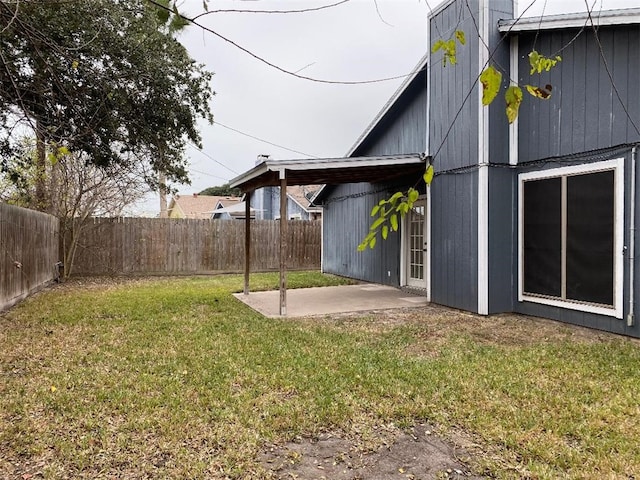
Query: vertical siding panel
{"points": [[633, 105], [558, 116], [590, 100], [577, 91], [605, 89], [619, 66], [525, 116], [544, 107]]}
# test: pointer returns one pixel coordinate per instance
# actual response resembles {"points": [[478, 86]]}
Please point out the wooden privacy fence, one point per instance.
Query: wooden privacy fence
{"points": [[140, 246], [29, 243]]}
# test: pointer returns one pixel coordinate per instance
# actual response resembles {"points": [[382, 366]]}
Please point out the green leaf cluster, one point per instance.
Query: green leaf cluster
{"points": [[387, 211], [491, 80], [448, 47], [540, 63]]}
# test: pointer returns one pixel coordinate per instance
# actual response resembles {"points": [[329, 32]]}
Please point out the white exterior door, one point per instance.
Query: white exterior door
{"points": [[416, 254]]}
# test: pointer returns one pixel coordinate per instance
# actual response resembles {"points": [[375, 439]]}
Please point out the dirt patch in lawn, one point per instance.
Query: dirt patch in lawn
{"points": [[419, 452], [387, 453]]}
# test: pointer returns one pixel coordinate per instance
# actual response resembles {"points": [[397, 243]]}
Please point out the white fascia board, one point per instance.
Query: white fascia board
{"points": [[347, 162], [249, 174], [282, 166], [440, 8], [422, 64], [571, 20], [315, 196]]}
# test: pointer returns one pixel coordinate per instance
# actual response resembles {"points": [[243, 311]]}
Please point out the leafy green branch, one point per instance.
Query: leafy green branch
{"points": [[390, 211], [449, 47], [491, 80]]}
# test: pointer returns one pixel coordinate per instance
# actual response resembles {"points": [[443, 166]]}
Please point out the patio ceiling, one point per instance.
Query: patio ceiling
{"points": [[330, 171]]}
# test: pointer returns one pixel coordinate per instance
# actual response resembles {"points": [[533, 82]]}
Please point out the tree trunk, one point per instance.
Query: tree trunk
{"points": [[162, 181], [42, 203]]}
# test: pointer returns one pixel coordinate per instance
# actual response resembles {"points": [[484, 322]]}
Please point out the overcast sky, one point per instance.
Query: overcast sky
{"points": [[354, 41]]}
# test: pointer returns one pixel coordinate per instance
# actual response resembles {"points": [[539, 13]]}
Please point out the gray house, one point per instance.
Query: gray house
{"points": [[266, 202], [537, 217]]}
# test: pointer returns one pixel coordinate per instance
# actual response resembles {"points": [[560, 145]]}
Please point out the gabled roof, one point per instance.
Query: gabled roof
{"points": [[195, 206], [330, 171], [624, 16], [226, 202], [302, 195], [234, 209]]}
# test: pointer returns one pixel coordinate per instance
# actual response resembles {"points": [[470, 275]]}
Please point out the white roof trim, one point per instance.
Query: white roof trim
{"points": [[237, 208], [624, 16], [310, 208], [312, 200], [422, 64], [321, 163]]}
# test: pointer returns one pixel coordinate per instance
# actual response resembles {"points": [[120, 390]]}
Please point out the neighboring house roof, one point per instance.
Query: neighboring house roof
{"points": [[303, 194], [625, 16], [233, 207], [226, 202], [195, 206]]}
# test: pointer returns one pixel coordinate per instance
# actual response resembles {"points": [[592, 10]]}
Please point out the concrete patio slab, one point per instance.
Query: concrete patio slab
{"points": [[303, 302]]}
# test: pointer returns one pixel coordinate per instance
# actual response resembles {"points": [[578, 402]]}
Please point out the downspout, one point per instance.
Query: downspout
{"points": [[632, 236]]}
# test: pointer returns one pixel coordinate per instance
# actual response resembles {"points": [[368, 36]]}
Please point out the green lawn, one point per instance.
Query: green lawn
{"points": [[174, 378]]}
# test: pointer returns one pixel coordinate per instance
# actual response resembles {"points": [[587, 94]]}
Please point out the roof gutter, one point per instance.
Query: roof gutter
{"points": [[626, 16]]}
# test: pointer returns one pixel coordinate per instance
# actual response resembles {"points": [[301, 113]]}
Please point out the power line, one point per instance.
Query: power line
{"points": [[277, 67], [263, 140], [609, 74], [209, 174], [194, 146]]}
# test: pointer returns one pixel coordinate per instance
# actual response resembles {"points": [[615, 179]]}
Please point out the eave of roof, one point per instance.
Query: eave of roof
{"points": [[624, 16], [329, 170]]}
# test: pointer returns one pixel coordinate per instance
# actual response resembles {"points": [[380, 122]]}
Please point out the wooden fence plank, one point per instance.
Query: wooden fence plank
{"points": [[152, 246], [28, 252]]}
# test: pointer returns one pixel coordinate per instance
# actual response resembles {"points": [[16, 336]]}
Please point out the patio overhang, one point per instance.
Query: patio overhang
{"points": [[328, 171]]}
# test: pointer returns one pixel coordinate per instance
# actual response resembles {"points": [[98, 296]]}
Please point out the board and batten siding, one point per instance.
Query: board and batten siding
{"points": [[266, 202], [346, 213], [453, 144], [584, 112], [403, 128], [503, 245], [453, 113], [454, 253], [346, 219]]}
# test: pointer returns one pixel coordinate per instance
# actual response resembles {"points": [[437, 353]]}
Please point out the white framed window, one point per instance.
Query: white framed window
{"points": [[570, 237]]}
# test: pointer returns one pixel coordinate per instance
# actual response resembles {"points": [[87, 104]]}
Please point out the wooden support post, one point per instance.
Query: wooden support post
{"points": [[283, 244], [247, 240]]}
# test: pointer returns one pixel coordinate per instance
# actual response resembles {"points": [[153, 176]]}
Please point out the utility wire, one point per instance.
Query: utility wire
{"points": [[194, 146], [277, 67], [609, 74], [264, 141]]}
